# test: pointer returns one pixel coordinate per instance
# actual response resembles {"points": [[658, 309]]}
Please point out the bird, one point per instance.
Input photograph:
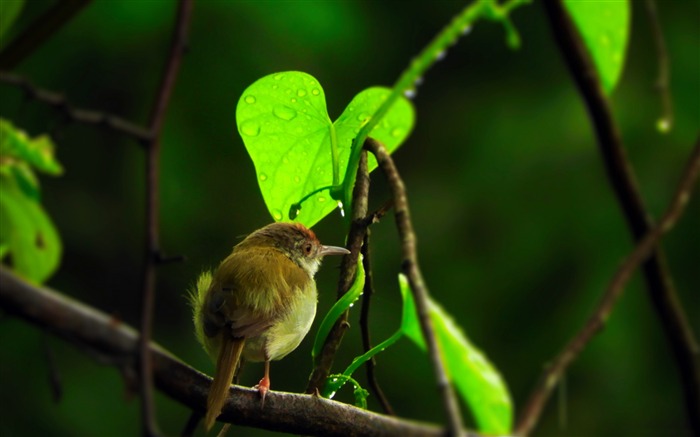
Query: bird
{"points": [[259, 303]]}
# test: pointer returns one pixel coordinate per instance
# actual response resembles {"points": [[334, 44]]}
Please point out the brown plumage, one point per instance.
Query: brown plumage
{"points": [[259, 303]]}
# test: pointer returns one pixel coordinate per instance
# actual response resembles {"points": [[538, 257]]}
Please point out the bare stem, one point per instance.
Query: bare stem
{"points": [[364, 327], [78, 115], [152, 256], [658, 279], [419, 289], [662, 82], [551, 376]]}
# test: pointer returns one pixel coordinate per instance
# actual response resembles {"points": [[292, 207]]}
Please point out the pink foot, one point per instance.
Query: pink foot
{"points": [[263, 387]]}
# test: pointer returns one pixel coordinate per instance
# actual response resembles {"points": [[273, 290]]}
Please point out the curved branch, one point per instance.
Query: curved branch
{"points": [[662, 293], [97, 332], [419, 289]]}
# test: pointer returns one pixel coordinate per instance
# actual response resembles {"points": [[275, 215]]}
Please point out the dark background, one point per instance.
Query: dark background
{"points": [[518, 230]]}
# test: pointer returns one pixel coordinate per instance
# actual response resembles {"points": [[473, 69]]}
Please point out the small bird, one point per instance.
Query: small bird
{"points": [[259, 303]]}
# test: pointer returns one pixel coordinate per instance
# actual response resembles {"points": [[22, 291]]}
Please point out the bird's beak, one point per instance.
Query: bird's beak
{"points": [[333, 250]]}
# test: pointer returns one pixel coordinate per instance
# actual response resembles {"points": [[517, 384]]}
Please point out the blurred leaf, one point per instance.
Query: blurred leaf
{"points": [[477, 381], [38, 152], [339, 308], [27, 233], [9, 11], [295, 147], [604, 27]]}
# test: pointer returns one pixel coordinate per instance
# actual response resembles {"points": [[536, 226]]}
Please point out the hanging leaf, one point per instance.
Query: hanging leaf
{"points": [[604, 28], [477, 381], [9, 11]]}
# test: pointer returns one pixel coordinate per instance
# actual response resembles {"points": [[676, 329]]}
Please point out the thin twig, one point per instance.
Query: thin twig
{"points": [[364, 328], [348, 266], [59, 103], [419, 289], [662, 293], [293, 413], [665, 122], [53, 374], [39, 31], [152, 256], [616, 286]]}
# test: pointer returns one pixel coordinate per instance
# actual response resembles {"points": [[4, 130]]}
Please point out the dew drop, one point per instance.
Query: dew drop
{"points": [[250, 99], [250, 128], [284, 112], [363, 118], [440, 55], [293, 100], [297, 179], [410, 93], [663, 125], [263, 177], [466, 30], [418, 81], [315, 91], [301, 92], [277, 215], [278, 76], [321, 199], [340, 207], [396, 132]]}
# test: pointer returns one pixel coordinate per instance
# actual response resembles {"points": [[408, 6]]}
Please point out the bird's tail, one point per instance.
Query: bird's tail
{"points": [[229, 355]]}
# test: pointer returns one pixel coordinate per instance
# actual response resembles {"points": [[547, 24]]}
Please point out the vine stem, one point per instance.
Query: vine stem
{"points": [[153, 254], [662, 293], [434, 51], [419, 289], [645, 246]]}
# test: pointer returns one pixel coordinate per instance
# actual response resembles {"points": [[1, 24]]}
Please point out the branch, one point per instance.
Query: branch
{"points": [[596, 322], [348, 267], [97, 332], [412, 271], [664, 298], [153, 254], [39, 31], [85, 116]]}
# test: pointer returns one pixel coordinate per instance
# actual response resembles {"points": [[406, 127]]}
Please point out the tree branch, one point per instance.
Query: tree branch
{"points": [[39, 31], [59, 103], [664, 298], [153, 257], [412, 271], [97, 332], [551, 376], [348, 267]]}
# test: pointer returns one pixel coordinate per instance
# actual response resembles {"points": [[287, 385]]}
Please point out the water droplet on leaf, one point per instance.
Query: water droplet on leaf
{"points": [[250, 128], [284, 112], [663, 125], [263, 177], [278, 76], [250, 99], [301, 92], [410, 93], [277, 215], [315, 91], [396, 132], [321, 199]]}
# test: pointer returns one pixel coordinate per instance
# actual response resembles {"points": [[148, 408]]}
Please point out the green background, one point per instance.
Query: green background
{"points": [[518, 231]]}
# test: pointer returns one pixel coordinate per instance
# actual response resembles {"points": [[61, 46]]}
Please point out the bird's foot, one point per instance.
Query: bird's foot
{"points": [[263, 387]]}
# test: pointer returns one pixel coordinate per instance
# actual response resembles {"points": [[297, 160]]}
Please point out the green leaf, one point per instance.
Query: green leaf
{"points": [[477, 381], [9, 11], [338, 380], [16, 146], [27, 233], [339, 308], [604, 27], [295, 147]]}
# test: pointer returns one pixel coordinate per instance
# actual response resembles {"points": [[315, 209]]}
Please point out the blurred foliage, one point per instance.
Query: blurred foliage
{"points": [[518, 231], [29, 243]]}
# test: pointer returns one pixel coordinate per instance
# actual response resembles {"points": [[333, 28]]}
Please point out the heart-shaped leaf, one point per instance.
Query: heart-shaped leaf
{"points": [[295, 147]]}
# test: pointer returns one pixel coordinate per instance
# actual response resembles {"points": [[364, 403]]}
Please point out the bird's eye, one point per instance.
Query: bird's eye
{"points": [[308, 248]]}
